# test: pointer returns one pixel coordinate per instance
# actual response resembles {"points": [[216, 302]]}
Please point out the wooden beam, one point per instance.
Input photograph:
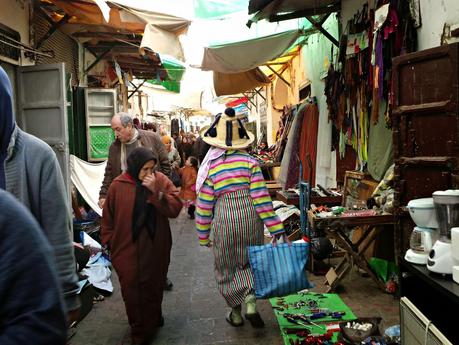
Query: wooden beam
{"points": [[136, 88], [305, 13], [44, 13], [258, 92], [116, 48], [279, 76], [135, 59], [275, 63], [100, 34], [319, 27], [324, 18], [51, 30], [249, 99], [96, 61]]}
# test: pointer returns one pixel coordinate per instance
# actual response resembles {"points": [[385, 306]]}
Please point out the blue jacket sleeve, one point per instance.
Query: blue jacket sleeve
{"points": [[32, 310], [55, 219]]}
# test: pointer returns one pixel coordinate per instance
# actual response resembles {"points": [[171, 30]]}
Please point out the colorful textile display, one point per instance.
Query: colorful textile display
{"points": [[356, 90]]}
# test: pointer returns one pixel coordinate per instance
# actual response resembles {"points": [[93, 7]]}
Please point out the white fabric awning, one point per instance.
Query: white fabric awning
{"points": [[87, 179], [161, 32], [243, 56]]}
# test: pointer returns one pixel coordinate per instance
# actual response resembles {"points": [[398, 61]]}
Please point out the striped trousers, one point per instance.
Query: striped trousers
{"points": [[235, 226]]}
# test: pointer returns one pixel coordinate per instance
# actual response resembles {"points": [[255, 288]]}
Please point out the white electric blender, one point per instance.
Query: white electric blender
{"points": [[447, 211]]}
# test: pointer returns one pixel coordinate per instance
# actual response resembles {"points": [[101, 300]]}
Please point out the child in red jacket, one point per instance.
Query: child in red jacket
{"points": [[188, 174]]}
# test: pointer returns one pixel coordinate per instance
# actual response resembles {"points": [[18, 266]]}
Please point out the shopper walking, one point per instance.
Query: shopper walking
{"points": [[135, 228], [30, 171], [172, 153], [127, 138], [233, 203], [32, 311], [188, 175]]}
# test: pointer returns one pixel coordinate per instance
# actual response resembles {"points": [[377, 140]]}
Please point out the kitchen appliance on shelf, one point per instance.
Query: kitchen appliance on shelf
{"points": [[424, 235], [447, 212], [455, 253]]}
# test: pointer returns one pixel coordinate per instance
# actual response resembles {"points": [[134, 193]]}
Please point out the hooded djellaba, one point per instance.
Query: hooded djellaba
{"points": [[29, 170], [233, 203], [135, 228]]}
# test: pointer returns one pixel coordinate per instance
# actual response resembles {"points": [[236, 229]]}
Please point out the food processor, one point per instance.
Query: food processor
{"points": [[447, 212], [425, 234]]}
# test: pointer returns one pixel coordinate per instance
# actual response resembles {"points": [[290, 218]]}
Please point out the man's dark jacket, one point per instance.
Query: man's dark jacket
{"points": [[149, 140]]}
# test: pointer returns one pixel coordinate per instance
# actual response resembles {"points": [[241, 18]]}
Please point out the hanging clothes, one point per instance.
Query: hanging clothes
{"points": [[379, 147], [308, 142], [290, 157]]}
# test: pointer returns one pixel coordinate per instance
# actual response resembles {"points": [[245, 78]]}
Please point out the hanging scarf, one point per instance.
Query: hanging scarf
{"points": [[144, 214], [212, 154], [123, 149], [6, 122]]}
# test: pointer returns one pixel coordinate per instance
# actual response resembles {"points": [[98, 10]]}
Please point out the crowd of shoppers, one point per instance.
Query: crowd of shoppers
{"points": [[138, 196]]}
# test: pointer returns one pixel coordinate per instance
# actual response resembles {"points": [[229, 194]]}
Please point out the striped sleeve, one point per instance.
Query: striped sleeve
{"points": [[262, 201], [204, 209]]}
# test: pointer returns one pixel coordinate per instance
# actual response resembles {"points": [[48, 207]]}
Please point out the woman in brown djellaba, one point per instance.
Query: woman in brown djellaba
{"points": [[135, 228]]}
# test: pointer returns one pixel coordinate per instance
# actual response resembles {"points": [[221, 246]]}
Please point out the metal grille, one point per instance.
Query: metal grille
{"points": [[8, 39], [64, 48]]}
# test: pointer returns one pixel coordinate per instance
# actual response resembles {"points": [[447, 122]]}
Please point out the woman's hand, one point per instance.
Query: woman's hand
{"points": [[150, 182]]}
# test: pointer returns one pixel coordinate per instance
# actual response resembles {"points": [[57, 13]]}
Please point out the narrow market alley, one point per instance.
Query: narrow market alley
{"points": [[194, 311]]}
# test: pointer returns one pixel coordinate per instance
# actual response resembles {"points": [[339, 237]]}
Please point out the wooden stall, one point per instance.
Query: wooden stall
{"points": [[425, 124]]}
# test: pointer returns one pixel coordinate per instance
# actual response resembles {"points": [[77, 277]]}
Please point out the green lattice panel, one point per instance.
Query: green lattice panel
{"points": [[101, 137]]}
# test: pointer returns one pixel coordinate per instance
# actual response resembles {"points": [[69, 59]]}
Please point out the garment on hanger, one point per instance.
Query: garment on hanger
{"points": [[308, 142]]}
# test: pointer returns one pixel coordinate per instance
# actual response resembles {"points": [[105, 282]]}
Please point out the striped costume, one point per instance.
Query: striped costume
{"points": [[234, 203]]}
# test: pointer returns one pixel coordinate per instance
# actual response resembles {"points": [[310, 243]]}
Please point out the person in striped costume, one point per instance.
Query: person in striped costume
{"points": [[233, 203]]}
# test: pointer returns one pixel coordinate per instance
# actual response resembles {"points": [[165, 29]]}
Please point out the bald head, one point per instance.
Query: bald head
{"points": [[123, 126]]}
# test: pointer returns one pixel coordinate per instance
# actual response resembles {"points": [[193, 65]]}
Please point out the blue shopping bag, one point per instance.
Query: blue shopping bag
{"points": [[279, 270]]}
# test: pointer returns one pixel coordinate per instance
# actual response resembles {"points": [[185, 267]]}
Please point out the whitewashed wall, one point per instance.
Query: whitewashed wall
{"points": [[15, 15], [316, 55], [436, 13]]}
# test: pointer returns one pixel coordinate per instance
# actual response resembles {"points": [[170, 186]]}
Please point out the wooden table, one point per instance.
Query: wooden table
{"points": [[273, 187], [335, 227], [292, 198], [266, 167]]}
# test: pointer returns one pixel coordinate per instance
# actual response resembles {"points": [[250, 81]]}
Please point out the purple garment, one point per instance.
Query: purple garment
{"points": [[391, 23]]}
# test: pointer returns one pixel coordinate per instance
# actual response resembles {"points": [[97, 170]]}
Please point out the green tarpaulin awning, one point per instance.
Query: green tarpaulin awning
{"points": [[175, 70], [209, 9]]}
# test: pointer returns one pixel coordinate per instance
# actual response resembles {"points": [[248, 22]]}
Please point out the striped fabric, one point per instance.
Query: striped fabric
{"points": [[233, 232], [279, 270], [235, 170]]}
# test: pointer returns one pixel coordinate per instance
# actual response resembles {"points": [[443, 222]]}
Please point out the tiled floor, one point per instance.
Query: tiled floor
{"points": [[195, 312]]}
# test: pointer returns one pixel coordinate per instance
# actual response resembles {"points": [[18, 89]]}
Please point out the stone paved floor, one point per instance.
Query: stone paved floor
{"points": [[195, 312]]}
